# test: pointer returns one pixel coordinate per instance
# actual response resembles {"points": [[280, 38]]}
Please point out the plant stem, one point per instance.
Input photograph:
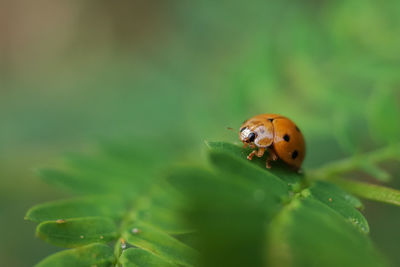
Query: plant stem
{"points": [[369, 191], [356, 162]]}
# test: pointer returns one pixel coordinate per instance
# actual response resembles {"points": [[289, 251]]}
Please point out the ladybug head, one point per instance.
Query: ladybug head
{"points": [[246, 135]]}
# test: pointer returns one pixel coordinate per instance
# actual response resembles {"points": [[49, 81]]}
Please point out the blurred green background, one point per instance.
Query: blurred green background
{"points": [[76, 72]]}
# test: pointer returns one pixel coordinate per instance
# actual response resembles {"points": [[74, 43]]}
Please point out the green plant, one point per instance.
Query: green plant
{"points": [[234, 213]]}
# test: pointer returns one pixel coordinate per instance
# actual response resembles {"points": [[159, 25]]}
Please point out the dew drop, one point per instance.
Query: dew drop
{"points": [[82, 237], [135, 231]]}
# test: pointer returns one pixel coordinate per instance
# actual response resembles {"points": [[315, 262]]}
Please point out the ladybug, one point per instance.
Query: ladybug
{"points": [[276, 134]]}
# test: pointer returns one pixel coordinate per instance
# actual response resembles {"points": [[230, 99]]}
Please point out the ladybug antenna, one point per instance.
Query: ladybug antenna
{"points": [[229, 128]]}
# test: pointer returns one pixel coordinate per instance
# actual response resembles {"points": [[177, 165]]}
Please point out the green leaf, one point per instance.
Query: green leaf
{"points": [[229, 148], [90, 255], [77, 232], [188, 238], [248, 173], [340, 201], [233, 213], [246, 168], [77, 207], [370, 191], [309, 233], [229, 212], [228, 193], [168, 220], [162, 209], [324, 190], [135, 257], [84, 220], [160, 243], [235, 230]]}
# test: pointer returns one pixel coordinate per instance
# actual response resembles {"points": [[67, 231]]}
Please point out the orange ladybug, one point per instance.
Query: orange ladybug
{"points": [[276, 134]]}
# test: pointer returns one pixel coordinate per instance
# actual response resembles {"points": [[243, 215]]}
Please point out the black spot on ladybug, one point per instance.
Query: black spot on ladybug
{"points": [[295, 154], [297, 128], [286, 138], [271, 120], [241, 130]]}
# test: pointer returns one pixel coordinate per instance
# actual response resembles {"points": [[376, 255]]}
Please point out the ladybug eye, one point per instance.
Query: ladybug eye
{"points": [[251, 137]]}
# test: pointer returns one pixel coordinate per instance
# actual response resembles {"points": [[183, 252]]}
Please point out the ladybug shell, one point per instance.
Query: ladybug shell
{"points": [[287, 141]]}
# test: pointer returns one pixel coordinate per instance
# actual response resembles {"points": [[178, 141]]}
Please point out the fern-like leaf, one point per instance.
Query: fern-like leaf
{"points": [[233, 213]]}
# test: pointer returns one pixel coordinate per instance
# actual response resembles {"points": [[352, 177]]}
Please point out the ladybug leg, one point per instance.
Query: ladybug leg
{"points": [[273, 154], [258, 153], [271, 157], [251, 155], [245, 145]]}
